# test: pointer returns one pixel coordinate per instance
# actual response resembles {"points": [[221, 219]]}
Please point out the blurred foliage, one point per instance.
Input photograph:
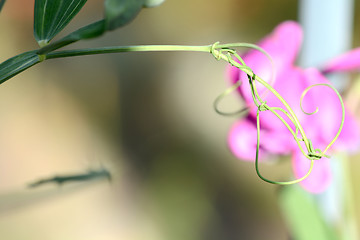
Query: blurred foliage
{"points": [[303, 214]]}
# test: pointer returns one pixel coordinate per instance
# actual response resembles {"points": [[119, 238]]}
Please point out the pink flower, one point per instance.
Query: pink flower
{"points": [[347, 62], [283, 46]]}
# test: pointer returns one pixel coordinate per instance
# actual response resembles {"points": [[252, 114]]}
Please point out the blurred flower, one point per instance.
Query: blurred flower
{"points": [[346, 62], [283, 46]]}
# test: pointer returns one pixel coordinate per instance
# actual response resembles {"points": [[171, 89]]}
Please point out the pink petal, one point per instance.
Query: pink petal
{"points": [[289, 84], [320, 176], [282, 45], [276, 142], [325, 123], [233, 73], [349, 138], [349, 61], [242, 140]]}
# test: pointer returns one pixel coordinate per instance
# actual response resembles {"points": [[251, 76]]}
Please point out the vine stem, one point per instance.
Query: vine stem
{"points": [[213, 49], [225, 52], [161, 48], [120, 49]]}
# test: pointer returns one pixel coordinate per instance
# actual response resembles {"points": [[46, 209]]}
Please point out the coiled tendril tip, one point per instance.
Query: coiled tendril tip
{"points": [[227, 53]]}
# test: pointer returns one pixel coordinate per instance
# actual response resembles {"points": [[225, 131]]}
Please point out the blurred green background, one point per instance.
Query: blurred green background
{"points": [[148, 118]]}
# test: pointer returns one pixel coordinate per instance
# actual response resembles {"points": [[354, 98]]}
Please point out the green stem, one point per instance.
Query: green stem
{"points": [[218, 51], [144, 48], [215, 49], [207, 48]]}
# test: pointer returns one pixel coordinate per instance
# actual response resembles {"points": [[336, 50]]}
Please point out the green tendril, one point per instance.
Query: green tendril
{"points": [[342, 112], [257, 160], [221, 97], [226, 52], [301, 100]]}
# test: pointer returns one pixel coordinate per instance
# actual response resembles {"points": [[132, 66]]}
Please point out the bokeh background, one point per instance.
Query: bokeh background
{"points": [[147, 118]]}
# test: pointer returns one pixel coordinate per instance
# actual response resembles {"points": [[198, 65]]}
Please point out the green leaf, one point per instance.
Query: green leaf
{"points": [[303, 216], [152, 3], [120, 12], [1, 4], [90, 31], [117, 14], [51, 16], [17, 64]]}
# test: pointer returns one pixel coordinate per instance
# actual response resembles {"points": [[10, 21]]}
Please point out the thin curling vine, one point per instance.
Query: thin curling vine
{"points": [[226, 52]]}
